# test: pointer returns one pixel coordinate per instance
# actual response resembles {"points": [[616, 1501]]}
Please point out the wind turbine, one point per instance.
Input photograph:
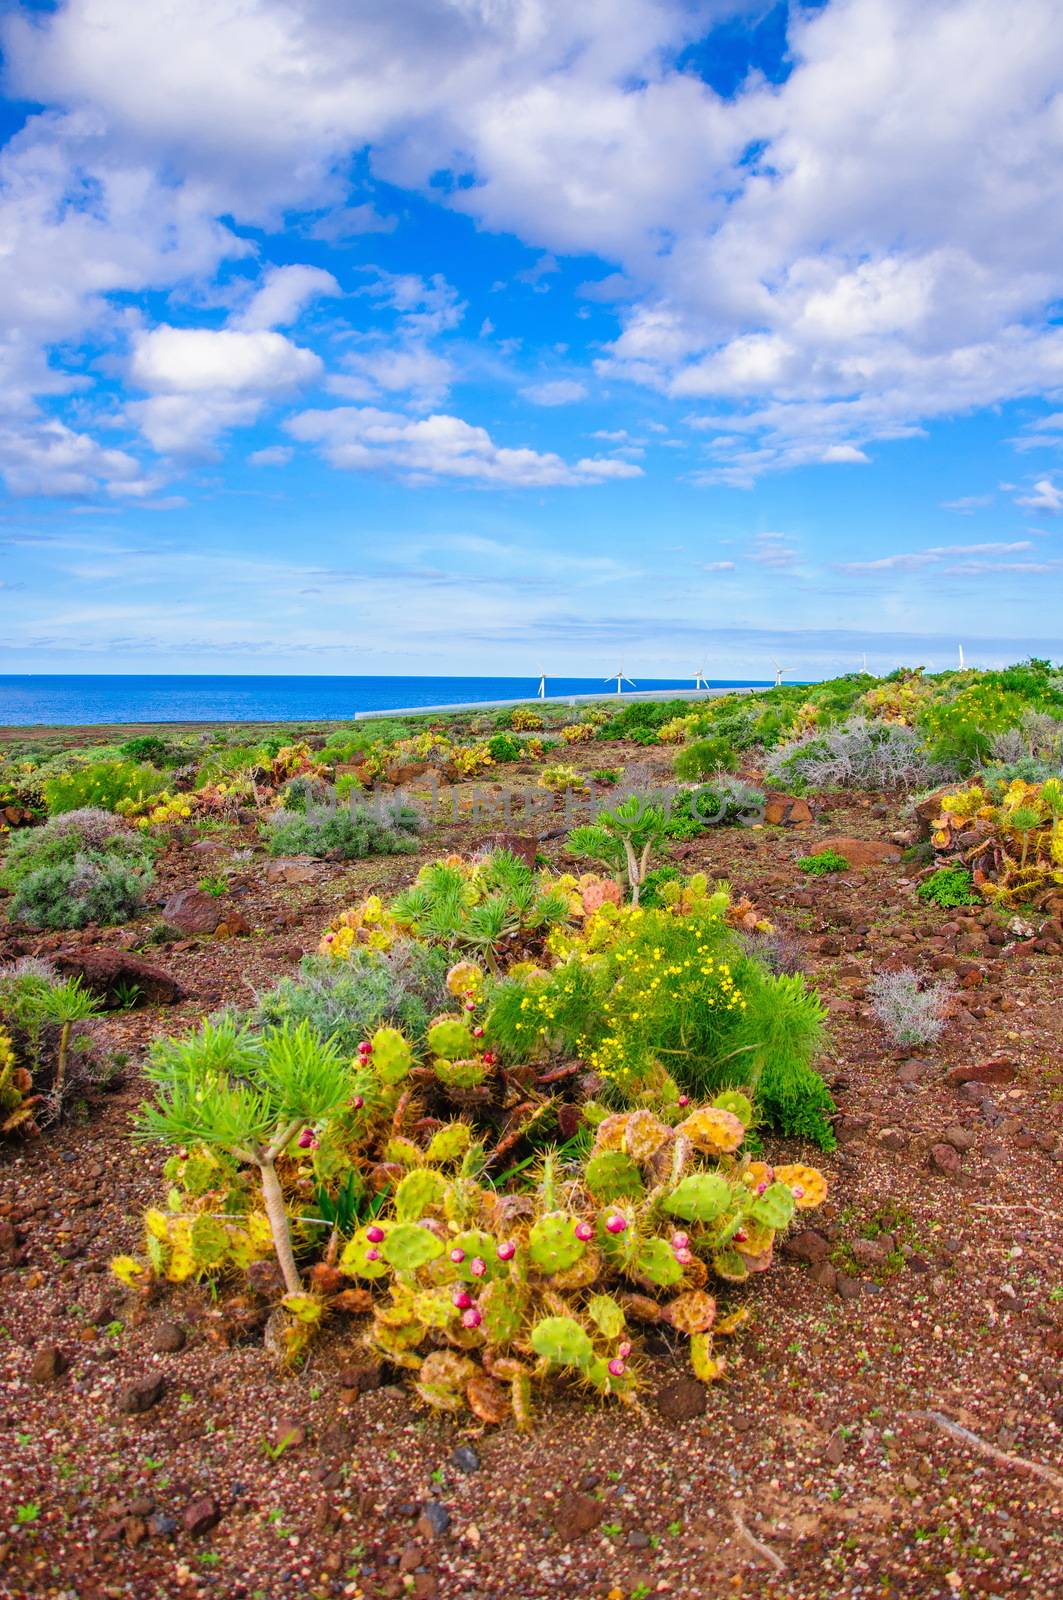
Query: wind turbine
{"points": [[778, 675], [701, 680], [621, 679], [541, 691], [963, 664]]}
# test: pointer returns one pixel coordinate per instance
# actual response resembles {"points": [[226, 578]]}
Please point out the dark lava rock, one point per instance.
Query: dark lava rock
{"points": [[997, 1071], [808, 1245], [160, 1526], [944, 1160], [433, 1521], [465, 1458], [112, 975], [578, 1514], [49, 1363], [199, 1516], [361, 1376], [168, 1338], [194, 911], [141, 1394], [681, 1398]]}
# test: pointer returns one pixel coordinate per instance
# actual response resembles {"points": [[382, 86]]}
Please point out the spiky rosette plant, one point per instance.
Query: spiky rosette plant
{"points": [[250, 1096]]}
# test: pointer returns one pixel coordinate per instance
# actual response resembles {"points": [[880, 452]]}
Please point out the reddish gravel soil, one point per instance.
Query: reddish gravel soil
{"points": [[833, 1459]]}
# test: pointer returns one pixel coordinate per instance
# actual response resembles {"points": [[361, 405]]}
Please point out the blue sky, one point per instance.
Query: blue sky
{"points": [[485, 337]]}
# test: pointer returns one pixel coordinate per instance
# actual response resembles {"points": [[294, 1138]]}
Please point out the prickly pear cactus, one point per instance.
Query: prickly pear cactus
{"points": [[808, 1187], [699, 1197], [503, 1306], [607, 1315], [774, 1207], [392, 1055], [562, 1342], [448, 1143], [362, 1256], [693, 1312], [421, 1191], [655, 1262], [466, 1073], [737, 1103], [408, 1247], [644, 1135], [713, 1131], [613, 1175], [450, 1037], [553, 1245]]}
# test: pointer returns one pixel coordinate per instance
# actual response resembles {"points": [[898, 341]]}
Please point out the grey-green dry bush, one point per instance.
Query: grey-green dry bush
{"points": [[88, 830], [72, 894], [84, 866], [911, 1011], [345, 1001], [858, 755], [346, 833]]}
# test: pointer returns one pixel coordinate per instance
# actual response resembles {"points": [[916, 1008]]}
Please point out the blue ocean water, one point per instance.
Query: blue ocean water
{"points": [[78, 700]]}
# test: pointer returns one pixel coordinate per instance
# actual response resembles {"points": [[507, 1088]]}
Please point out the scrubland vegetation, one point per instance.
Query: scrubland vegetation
{"points": [[562, 1072]]}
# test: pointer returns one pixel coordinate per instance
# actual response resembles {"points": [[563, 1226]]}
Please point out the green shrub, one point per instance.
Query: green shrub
{"points": [[715, 1018], [703, 758], [346, 834], [729, 800], [74, 833], [89, 888], [147, 748], [822, 862], [949, 886], [103, 784], [504, 747]]}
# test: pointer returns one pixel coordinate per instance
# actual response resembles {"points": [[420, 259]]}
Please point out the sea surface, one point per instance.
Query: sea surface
{"points": [[81, 700]]}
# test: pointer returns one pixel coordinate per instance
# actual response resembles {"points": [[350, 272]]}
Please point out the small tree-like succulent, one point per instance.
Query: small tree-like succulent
{"points": [[249, 1095], [622, 839], [65, 1004]]}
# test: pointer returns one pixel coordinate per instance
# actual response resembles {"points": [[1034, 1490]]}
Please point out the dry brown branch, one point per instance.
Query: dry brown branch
{"points": [[973, 1442]]}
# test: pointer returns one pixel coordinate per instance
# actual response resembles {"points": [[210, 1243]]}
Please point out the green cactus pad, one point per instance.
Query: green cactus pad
{"points": [[408, 1247], [730, 1266], [503, 1307], [392, 1056], [419, 1192], [355, 1258], [198, 1174], [552, 1243], [774, 1208], [450, 1037], [613, 1175], [404, 1151], [561, 1341], [699, 1197], [209, 1242], [477, 1245], [461, 1074], [448, 1143], [434, 1307], [737, 1103], [656, 1262], [606, 1315]]}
